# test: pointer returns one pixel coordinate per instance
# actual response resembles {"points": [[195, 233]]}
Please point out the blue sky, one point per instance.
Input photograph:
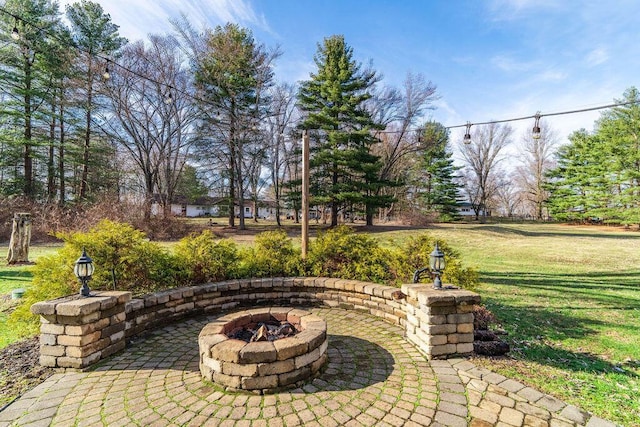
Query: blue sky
{"points": [[491, 59]]}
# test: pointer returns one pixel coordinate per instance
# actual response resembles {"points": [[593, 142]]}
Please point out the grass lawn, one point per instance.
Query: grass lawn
{"points": [[16, 277], [568, 296]]}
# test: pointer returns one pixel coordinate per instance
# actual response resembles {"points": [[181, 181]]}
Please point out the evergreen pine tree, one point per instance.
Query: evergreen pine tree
{"points": [[617, 130], [437, 173], [26, 79], [343, 169], [578, 186]]}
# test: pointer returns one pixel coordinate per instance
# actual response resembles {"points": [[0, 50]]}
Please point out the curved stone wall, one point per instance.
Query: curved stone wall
{"points": [[77, 332], [161, 308]]}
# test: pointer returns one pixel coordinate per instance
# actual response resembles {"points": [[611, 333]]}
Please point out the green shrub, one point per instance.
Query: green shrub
{"points": [[340, 252], [416, 253], [206, 258], [52, 278], [272, 255], [117, 250], [120, 251]]}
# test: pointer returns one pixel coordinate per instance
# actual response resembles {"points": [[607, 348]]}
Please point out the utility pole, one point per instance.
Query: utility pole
{"points": [[305, 194]]}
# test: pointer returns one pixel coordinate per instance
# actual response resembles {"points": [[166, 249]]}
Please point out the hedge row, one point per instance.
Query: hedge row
{"points": [[125, 259]]}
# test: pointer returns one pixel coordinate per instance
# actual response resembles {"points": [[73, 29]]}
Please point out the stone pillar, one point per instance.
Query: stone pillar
{"points": [[440, 321], [76, 331]]}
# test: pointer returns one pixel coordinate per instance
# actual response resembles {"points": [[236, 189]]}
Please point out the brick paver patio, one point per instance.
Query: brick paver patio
{"points": [[374, 378]]}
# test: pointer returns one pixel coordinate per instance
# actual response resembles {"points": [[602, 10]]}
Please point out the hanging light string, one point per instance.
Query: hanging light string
{"points": [[538, 115], [467, 136], [106, 75]]}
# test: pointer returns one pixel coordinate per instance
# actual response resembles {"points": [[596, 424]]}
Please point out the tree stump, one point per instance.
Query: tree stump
{"points": [[20, 239]]}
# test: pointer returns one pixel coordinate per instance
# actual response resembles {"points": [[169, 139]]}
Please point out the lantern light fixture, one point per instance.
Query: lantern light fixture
{"points": [[83, 270], [437, 264]]}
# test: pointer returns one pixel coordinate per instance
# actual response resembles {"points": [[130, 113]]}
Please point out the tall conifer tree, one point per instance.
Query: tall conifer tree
{"points": [[24, 76], [344, 171], [437, 173], [95, 34], [233, 74]]}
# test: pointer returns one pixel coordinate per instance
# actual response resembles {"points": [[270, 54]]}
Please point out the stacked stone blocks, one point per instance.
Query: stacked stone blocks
{"points": [[77, 332], [264, 365], [440, 321], [161, 308]]}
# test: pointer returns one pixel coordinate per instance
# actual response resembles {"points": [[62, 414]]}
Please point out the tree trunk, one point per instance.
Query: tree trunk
{"points": [[61, 158], [255, 209], [87, 139], [241, 221], [334, 202], [369, 218], [51, 172], [232, 174], [20, 239], [28, 159]]}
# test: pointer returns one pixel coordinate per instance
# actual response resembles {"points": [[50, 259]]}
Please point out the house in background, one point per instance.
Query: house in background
{"points": [[267, 209], [465, 209], [215, 207], [202, 206]]}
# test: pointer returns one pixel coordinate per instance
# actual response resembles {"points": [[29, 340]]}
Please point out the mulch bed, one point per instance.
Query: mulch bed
{"points": [[20, 370]]}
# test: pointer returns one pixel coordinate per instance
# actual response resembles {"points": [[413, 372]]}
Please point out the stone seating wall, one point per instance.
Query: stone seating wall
{"points": [[77, 332]]}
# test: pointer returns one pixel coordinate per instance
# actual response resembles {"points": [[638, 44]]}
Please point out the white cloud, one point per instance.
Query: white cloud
{"points": [[508, 64], [294, 70], [139, 18], [510, 10], [597, 56], [551, 76]]}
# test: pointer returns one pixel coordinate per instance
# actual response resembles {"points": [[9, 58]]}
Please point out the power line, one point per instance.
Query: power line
{"points": [[540, 115], [468, 125], [108, 61]]}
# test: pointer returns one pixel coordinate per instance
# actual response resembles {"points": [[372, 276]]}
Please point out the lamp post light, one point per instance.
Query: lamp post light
{"points": [[83, 271], [436, 263]]}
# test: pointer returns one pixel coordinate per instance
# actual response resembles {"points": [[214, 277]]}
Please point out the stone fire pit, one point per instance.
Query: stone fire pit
{"points": [[262, 365]]}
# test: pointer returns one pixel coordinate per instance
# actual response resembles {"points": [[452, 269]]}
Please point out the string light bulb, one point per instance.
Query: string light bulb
{"points": [[536, 127], [15, 34], [106, 74], [467, 135]]}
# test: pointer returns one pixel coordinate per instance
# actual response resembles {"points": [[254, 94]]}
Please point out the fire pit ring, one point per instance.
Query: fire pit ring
{"points": [[263, 365]]}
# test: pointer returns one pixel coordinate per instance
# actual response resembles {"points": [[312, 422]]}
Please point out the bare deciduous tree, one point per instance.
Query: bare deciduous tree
{"points": [[482, 157], [400, 111], [153, 114], [536, 159], [279, 129], [508, 197]]}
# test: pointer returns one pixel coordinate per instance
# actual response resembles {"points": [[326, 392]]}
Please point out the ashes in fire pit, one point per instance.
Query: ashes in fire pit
{"points": [[264, 331], [263, 349]]}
